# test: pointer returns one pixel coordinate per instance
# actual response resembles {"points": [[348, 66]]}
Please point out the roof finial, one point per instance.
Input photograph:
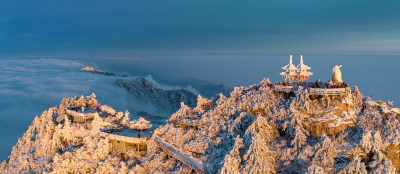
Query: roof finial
{"points": [[290, 61], [301, 59]]}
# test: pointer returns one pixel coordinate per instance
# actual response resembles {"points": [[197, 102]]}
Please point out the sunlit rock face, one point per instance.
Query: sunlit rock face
{"points": [[338, 116]]}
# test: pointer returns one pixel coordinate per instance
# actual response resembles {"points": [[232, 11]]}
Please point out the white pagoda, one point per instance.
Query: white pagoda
{"points": [[302, 72], [296, 74], [290, 73]]}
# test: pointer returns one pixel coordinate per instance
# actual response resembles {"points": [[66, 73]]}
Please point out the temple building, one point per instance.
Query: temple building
{"points": [[302, 72], [295, 75], [290, 73]]}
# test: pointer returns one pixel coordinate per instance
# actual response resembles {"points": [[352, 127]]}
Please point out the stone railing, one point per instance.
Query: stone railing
{"points": [[285, 88], [330, 91], [316, 91]]}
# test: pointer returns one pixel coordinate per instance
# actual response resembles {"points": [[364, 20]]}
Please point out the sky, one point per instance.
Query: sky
{"points": [[45, 27]]}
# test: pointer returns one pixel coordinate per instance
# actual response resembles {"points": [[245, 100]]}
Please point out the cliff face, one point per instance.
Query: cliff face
{"points": [[167, 101], [254, 130], [341, 113]]}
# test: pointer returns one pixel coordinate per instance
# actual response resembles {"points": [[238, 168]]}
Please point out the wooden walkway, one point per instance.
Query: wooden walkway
{"points": [[189, 161]]}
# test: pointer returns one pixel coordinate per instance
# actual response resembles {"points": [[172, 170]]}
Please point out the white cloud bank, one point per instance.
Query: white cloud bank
{"points": [[29, 86]]}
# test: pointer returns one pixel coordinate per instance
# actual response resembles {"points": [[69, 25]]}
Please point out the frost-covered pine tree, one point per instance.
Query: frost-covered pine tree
{"points": [[123, 169], [355, 166], [371, 142], [141, 123], [299, 135], [324, 156], [125, 121], [138, 170], [233, 160], [202, 105], [184, 111], [315, 169], [259, 158], [294, 124], [67, 131], [263, 129]]}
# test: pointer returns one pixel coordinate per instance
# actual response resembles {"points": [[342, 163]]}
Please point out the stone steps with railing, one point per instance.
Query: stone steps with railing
{"points": [[185, 159]]}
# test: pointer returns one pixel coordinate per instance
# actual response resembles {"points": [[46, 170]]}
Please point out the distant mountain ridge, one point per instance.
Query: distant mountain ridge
{"points": [[167, 95], [205, 88], [165, 100]]}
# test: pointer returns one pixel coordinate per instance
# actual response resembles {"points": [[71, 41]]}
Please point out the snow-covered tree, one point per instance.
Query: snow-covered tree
{"points": [[138, 170], [263, 129], [103, 149], [123, 169], [294, 124], [385, 167], [315, 169], [98, 122], [371, 142], [233, 160], [119, 115], [355, 166], [184, 111], [299, 135], [125, 120], [107, 109], [259, 157], [202, 105], [324, 156], [141, 124]]}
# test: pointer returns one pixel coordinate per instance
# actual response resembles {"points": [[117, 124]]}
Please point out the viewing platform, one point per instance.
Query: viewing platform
{"points": [[135, 134], [327, 91], [314, 91], [296, 78], [121, 138]]}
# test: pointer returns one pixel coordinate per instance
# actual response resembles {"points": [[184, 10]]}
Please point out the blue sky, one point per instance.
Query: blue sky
{"points": [[45, 27]]}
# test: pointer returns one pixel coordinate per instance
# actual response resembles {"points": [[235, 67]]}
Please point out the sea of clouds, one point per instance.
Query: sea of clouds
{"points": [[30, 86]]}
